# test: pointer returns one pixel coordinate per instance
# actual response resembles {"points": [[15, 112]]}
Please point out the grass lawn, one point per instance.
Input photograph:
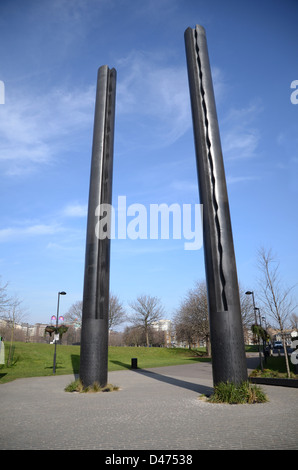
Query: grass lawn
{"points": [[36, 359], [275, 366]]}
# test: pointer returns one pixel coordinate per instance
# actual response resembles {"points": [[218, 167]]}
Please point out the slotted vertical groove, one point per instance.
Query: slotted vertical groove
{"points": [[100, 286], [224, 303], [105, 196], [102, 183], [226, 331]]}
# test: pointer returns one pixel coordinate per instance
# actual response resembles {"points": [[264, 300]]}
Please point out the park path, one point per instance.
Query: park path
{"points": [[155, 409]]}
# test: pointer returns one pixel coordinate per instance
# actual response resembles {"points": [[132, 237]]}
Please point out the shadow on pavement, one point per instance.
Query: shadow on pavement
{"points": [[177, 382], [122, 364], [252, 363]]}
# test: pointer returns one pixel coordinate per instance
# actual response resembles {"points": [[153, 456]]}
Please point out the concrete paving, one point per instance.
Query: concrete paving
{"points": [[155, 409]]}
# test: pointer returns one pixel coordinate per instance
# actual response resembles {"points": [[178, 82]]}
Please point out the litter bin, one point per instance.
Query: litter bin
{"points": [[134, 363]]}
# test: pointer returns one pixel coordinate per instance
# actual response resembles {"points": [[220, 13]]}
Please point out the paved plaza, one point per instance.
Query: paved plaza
{"points": [[155, 409]]}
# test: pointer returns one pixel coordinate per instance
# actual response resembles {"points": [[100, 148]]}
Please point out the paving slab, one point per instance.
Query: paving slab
{"points": [[155, 409]]}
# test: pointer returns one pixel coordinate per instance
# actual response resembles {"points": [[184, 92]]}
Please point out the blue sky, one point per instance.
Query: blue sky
{"points": [[50, 52]]}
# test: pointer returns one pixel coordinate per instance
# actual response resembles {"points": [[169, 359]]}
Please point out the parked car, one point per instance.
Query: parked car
{"points": [[277, 345]]}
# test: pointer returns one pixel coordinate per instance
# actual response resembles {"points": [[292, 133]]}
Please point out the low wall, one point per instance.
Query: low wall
{"points": [[274, 381]]}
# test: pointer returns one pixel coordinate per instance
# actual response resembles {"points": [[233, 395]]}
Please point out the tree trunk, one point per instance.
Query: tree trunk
{"points": [[208, 346], [286, 354], [10, 346]]}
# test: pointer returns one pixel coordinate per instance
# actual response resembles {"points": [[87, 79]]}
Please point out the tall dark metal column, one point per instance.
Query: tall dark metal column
{"points": [[94, 335], [226, 332]]}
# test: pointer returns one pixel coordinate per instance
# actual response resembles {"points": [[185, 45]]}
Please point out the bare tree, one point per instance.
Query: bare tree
{"points": [[5, 300], [247, 314], [116, 312], [74, 314], [116, 338], [274, 296], [14, 314], [147, 311], [158, 337], [294, 321], [134, 336], [184, 330], [191, 320]]}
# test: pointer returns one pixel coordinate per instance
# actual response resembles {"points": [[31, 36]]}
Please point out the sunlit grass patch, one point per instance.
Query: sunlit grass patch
{"points": [[77, 386], [244, 393]]}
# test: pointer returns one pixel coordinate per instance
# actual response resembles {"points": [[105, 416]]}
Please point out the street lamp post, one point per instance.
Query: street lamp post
{"points": [[57, 317], [257, 308], [263, 339], [256, 322]]}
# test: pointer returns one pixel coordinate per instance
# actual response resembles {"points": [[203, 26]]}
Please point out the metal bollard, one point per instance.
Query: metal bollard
{"points": [[134, 363]]}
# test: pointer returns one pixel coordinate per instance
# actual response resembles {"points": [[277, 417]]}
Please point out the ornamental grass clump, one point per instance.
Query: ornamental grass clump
{"points": [[77, 386], [237, 393]]}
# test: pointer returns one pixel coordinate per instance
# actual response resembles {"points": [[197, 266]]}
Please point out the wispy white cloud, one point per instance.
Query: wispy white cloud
{"points": [[219, 84], [156, 93], [75, 210], [240, 135], [19, 232], [240, 143], [240, 179], [126, 248], [70, 20], [185, 186], [156, 96], [34, 128]]}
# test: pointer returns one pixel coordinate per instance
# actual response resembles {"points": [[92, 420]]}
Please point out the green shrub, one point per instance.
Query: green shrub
{"points": [[275, 366], [232, 393], [77, 386]]}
